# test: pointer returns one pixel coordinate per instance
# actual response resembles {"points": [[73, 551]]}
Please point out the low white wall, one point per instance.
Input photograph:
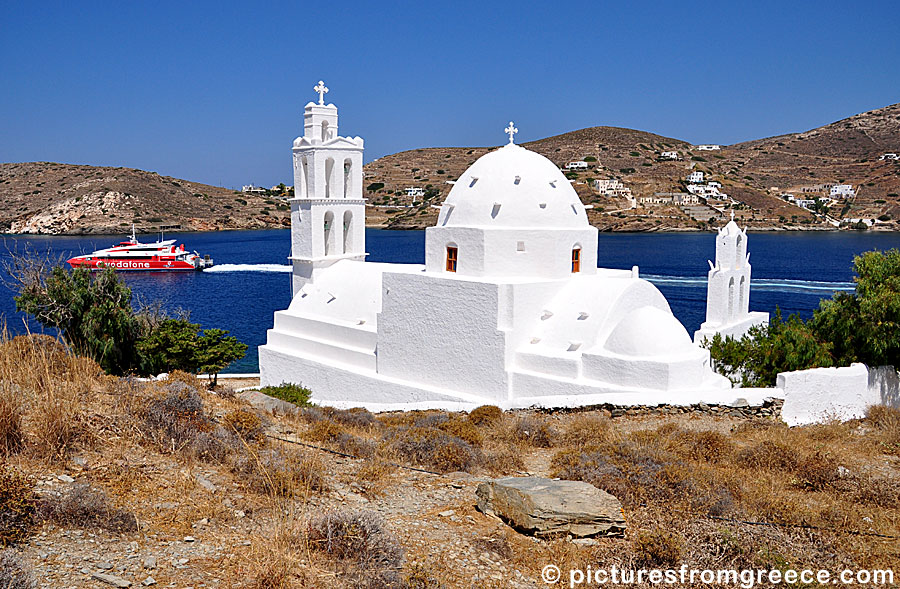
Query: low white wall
{"points": [[819, 395]]}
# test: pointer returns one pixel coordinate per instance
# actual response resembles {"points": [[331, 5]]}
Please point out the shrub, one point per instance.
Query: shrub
{"points": [[656, 548], [85, 507], [17, 506], [534, 432], [277, 473], [177, 422], [357, 536], [462, 429], [292, 393], [704, 446], [816, 471], [245, 424], [768, 455], [375, 186], [886, 421], [586, 430], [486, 414], [432, 448], [15, 573]]}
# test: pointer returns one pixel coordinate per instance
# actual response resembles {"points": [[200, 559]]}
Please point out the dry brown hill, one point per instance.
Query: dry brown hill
{"points": [[755, 173], [51, 198]]}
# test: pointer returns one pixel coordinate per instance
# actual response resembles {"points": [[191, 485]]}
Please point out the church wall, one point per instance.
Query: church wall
{"points": [[443, 331], [470, 244], [544, 253]]}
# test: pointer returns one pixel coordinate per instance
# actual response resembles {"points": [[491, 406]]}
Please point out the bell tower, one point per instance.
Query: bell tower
{"points": [[328, 210]]}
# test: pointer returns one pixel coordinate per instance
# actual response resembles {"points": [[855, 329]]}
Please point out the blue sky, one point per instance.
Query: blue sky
{"points": [[214, 91]]}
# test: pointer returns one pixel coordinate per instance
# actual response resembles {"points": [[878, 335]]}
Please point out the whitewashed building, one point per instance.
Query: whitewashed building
{"points": [[509, 307], [708, 147], [612, 187], [842, 191], [890, 156], [728, 288], [577, 166], [251, 189], [695, 177], [669, 155], [415, 192]]}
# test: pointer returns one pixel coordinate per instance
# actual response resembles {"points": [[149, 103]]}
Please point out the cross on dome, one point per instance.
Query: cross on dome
{"points": [[511, 130], [322, 90]]}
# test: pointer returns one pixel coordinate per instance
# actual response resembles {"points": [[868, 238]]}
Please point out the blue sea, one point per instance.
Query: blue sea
{"points": [[251, 278]]}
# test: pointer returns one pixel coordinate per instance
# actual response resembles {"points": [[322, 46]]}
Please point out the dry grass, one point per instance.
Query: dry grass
{"points": [[15, 573], [37, 372], [17, 506], [886, 421]]}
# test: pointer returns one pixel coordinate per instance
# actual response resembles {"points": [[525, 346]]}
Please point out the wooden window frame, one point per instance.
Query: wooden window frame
{"points": [[452, 258], [576, 260]]}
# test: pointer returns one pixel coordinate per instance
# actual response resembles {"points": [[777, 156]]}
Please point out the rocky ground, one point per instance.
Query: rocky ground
{"points": [[167, 484]]}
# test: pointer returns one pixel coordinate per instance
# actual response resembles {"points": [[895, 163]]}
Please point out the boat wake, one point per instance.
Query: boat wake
{"points": [[759, 284], [249, 268]]}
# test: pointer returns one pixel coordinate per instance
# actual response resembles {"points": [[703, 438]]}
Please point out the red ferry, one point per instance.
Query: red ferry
{"points": [[134, 255]]}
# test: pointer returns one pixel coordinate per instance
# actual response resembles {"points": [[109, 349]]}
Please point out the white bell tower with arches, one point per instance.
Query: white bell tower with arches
{"points": [[728, 288], [328, 210]]}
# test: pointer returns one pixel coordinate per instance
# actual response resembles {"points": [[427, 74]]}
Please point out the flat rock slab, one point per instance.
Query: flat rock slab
{"points": [[111, 580], [545, 507], [267, 403]]}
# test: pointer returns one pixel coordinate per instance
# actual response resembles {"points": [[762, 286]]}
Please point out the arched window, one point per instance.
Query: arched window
{"points": [[742, 296], [348, 231], [452, 255], [325, 136], [576, 259], [730, 298], [329, 233], [348, 165], [306, 189], [329, 176]]}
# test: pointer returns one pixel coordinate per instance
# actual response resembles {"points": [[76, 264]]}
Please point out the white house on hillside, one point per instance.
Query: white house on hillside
{"points": [[842, 191], [707, 147], [509, 307], [668, 155], [695, 177]]}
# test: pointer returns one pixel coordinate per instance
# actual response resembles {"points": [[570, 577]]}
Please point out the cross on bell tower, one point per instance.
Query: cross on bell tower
{"points": [[322, 90]]}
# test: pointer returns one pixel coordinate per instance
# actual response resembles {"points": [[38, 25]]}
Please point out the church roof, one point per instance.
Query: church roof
{"points": [[513, 187]]}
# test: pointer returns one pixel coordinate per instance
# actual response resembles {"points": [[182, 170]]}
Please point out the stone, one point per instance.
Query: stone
{"points": [[546, 507], [266, 403], [205, 483], [111, 580], [447, 513], [189, 539], [150, 562], [104, 566], [66, 478], [740, 403], [148, 581]]}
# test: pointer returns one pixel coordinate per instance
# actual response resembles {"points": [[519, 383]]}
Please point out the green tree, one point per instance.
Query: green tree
{"points": [[216, 350], [93, 313], [178, 344], [864, 326], [756, 359]]}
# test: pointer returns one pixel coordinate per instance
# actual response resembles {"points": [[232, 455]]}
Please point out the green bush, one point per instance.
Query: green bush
{"points": [[589, 158], [863, 326], [292, 393], [375, 186], [697, 158]]}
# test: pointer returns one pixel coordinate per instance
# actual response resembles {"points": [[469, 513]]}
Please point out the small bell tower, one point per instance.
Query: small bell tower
{"points": [[328, 210]]}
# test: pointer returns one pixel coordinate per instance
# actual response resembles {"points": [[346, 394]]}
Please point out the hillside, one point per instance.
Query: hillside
{"points": [[754, 173], [51, 198]]}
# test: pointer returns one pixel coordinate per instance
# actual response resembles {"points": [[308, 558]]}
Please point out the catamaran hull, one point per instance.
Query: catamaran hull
{"points": [[137, 265]]}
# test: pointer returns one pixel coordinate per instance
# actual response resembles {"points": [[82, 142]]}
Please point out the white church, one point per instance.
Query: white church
{"points": [[509, 309]]}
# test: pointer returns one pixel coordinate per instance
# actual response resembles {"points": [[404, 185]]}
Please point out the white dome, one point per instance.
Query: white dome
{"points": [[513, 187], [731, 228], [648, 331]]}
